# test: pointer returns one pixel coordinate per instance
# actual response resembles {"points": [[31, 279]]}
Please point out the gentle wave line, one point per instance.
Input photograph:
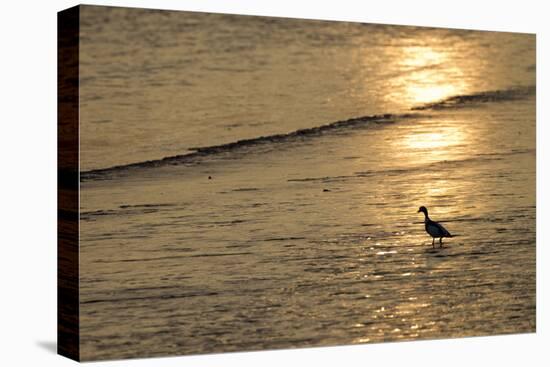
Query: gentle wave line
{"points": [[201, 152], [458, 101]]}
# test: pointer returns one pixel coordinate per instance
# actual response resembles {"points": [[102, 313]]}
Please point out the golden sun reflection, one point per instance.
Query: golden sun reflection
{"points": [[431, 141], [421, 56], [421, 94], [438, 190], [427, 75], [439, 187], [441, 138]]}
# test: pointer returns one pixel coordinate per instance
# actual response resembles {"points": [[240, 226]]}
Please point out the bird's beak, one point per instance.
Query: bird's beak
{"points": [[418, 211]]}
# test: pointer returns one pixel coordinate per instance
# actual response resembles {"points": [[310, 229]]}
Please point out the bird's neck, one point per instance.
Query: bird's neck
{"points": [[426, 218]]}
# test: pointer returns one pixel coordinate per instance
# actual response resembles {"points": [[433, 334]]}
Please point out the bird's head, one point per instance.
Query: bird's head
{"points": [[423, 210]]}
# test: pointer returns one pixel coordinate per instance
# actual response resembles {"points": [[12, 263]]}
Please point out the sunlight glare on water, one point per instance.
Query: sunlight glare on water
{"points": [[427, 74], [434, 140]]}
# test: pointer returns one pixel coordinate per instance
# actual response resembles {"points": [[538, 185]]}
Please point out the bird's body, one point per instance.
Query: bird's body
{"points": [[434, 229]]}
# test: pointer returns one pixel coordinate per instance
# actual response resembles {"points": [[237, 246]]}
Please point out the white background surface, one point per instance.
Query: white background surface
{"points": [[28, 182]]}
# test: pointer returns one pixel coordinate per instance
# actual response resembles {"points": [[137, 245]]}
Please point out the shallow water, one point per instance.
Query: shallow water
{"points": [[313, 238], [261, 256]]}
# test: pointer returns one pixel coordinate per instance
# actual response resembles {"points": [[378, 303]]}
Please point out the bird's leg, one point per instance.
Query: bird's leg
{"points": [[440, 242], [433, 240]]}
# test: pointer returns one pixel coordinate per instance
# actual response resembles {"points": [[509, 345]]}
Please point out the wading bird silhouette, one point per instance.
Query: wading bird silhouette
{"points": [[434, 229]]}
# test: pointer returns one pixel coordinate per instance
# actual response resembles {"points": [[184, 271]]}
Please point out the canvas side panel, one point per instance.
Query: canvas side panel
{"points": [[68, 183]]}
